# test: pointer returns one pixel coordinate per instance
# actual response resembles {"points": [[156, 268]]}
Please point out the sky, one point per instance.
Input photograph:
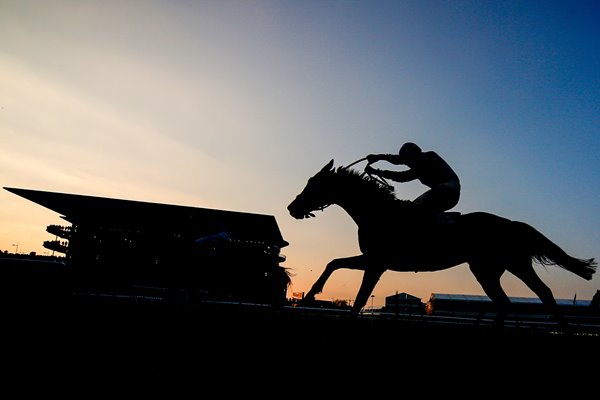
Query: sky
{"points": [[234, 104]]}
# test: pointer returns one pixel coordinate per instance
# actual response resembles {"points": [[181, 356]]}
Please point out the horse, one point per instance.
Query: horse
{"points": [[393, 234]]}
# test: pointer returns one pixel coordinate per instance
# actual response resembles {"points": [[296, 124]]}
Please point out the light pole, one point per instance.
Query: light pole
{"points": [[17, 248], [372, 309]]}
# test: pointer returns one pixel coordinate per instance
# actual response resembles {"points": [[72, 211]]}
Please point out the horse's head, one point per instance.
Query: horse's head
{"points": [[315, 196]]}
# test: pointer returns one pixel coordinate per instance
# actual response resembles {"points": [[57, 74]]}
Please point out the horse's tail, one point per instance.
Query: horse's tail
{"points": [[545, 252]]}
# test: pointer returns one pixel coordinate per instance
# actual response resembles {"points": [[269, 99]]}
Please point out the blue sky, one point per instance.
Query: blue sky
{"points": [[235, 104]]}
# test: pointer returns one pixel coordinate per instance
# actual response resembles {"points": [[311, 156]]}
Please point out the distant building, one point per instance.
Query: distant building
{"points": [[467, 305], [403, 303], [114, 245]]}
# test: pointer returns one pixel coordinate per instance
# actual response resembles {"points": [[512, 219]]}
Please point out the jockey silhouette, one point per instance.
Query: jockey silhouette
{"points": [[429, 168]]}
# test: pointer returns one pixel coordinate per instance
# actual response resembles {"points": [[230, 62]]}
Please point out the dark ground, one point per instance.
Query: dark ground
{"points": [[95, 347], [53, 346]]}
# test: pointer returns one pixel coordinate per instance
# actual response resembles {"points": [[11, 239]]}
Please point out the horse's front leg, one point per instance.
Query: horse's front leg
{"points": [[370, 279], [354, 262]]}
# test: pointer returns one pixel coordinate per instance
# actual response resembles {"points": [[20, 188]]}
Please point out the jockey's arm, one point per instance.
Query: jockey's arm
{"points": [[398, 176], [391, 158]]}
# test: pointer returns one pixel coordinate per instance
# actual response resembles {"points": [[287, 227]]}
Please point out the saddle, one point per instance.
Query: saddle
{"points": [[446, 218], [429, 222]]}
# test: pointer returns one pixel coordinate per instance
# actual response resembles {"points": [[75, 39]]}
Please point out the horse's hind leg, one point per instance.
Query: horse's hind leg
{"points": [[489, 279], [524, 271]]}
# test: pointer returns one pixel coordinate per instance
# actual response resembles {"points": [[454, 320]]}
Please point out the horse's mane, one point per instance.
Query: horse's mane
{"points": [[367, 185]]}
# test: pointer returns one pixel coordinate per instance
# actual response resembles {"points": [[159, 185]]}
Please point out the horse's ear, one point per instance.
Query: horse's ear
{"points": [[328, 167]]}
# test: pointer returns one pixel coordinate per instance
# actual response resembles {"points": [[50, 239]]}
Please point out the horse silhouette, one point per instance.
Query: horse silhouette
{"points": [[394, 235]]}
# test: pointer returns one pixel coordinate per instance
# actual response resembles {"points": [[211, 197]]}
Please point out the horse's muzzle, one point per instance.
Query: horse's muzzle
{"points": [[296, 211]]}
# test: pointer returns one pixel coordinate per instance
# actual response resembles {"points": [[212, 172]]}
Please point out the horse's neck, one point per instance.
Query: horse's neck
{"points": [[359, 216], [365, 213], [368, 204]]}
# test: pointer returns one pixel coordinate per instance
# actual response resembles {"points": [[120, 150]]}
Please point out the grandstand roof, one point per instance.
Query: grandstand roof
{"points": [[102, 211]]}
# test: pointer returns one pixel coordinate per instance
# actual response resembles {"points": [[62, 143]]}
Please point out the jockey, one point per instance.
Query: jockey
{"points": [[429, 168]]}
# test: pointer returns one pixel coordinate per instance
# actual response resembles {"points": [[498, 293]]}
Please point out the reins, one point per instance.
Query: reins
{"points": [[355, 162], [373, 177], [376, 178]]}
